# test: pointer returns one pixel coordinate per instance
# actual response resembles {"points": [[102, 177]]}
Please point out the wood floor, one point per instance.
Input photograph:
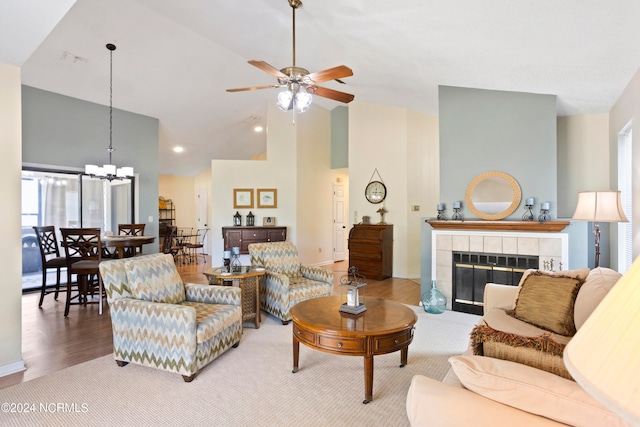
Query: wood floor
{"points": [[51, 342]]}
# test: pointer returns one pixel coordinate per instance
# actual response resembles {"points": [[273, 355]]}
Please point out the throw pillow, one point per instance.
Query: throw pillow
{"points": [[547, 301], [519, 342], [532, 390], [595, 288], [155, 279], [581, 273]]}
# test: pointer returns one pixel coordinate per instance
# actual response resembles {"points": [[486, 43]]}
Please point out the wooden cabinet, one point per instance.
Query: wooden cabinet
{"points": [[242, 237], [371, 250]]}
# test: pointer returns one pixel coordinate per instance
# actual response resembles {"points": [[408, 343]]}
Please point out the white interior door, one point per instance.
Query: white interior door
{"points": [[339, 226]]}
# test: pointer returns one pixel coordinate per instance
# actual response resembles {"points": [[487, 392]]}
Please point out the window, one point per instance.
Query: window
{"points": [[68, 199], [625, 235]]}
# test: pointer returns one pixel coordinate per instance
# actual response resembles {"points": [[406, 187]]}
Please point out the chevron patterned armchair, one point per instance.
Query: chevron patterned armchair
{"points": [[286, 281], [161, 322]]}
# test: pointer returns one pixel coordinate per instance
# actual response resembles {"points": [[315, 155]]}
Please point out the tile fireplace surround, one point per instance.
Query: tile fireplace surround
{"points": [[546, 245]]}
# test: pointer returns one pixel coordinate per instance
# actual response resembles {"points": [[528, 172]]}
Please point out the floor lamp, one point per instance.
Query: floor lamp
{"points": [[599, 206]]}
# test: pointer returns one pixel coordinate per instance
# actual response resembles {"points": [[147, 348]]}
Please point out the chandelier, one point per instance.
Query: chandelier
{"points": [[109, 171]]}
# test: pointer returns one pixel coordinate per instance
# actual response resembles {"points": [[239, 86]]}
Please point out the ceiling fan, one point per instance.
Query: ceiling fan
{"points": [[300, 83]]}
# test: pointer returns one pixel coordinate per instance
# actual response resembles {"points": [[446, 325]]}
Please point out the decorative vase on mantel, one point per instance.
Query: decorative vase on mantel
{"points": [[434, 301]]}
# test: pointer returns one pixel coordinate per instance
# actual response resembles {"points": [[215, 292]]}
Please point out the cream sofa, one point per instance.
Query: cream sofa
{"points": [[488, 391]]}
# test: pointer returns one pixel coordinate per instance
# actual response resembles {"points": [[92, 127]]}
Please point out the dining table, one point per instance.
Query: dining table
{"points": [[119, 242]]}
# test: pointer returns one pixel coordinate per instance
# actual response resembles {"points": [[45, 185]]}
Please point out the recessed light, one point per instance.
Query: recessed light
{"points": [[258, 128], [178, 149]]}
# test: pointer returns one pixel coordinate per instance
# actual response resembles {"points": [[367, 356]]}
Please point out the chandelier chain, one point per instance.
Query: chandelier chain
{"points": [[110, 149]]}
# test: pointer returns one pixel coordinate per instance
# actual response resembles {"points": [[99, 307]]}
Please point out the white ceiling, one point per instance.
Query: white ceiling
{"points": [[174, 59]]}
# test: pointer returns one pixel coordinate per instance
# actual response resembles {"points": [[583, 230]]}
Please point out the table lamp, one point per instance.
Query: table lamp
{"points": [[604, 355], [599, 206]]}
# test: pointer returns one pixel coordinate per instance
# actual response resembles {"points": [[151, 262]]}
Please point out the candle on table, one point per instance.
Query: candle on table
{"points": [[531, 201], [236, 250], [226, 254], [457, 205], [440, 207], [545, 206]]}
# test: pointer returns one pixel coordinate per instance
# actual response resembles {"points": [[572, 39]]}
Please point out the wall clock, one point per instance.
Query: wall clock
{"points": [[375, 192]]}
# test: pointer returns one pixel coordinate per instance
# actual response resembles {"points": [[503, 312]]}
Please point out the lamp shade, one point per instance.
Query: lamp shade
{"points": [[599, 206], [604, 355]]}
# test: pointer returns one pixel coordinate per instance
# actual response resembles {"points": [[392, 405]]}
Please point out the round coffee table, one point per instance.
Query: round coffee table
{"points": [[385, 327]]}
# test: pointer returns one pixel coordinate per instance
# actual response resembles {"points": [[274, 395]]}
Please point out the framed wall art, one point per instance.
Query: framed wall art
{"points": [[267, 198], [268, 221], [243, 198]]}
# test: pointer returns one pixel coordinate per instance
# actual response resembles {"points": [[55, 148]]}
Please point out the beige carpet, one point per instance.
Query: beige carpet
{"points": [[251, 385]]}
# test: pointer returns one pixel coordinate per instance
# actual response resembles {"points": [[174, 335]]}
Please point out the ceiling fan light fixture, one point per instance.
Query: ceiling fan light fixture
{"points": [[302, 101], [284, 100]]}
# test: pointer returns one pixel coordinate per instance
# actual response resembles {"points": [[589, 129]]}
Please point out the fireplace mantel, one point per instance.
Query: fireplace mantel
{"points": [[527, 226]]}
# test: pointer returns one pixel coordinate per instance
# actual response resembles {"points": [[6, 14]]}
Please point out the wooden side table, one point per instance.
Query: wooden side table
{"points": [[248, 279]]}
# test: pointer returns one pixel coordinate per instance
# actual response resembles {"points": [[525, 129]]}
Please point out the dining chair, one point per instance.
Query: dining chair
{"points": [[84, 253], [182, 238], [50, 256], [167, 239], [131, 230], [198, 244]]}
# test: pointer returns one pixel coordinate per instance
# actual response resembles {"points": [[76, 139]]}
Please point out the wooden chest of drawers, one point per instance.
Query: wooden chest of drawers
{"points": [[371, 250], [243, 236]]}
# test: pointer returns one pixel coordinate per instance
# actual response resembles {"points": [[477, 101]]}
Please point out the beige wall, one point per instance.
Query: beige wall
{"points": [[315, 187], [423, 181], [402, 146], [182, 192], [627, 109], [11, 258], [278, 171], [581, 148]]}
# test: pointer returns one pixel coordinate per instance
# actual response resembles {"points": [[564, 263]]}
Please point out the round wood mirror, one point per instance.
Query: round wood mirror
{"points": [[493, 195]]}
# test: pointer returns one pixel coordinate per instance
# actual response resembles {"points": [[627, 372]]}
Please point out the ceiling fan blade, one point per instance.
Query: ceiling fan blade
{"points": [[268, 69], [336, 95], [241, 89], [330, 74]]}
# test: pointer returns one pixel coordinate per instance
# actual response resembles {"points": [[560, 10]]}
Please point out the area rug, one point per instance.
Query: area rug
{"points": [[251, 385]]}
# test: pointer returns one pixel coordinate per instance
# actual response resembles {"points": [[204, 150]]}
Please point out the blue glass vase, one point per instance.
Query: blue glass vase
{"points": [[433, 301]]}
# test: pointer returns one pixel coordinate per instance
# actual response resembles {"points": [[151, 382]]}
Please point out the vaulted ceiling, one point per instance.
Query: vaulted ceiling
{"points": [[174, 59]]}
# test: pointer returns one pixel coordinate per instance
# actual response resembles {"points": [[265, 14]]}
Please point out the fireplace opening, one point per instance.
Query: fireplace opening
{"points": [[473, 270]]}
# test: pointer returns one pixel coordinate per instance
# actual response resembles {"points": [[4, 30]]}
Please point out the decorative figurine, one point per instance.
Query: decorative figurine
{"points": [[382, 211]]}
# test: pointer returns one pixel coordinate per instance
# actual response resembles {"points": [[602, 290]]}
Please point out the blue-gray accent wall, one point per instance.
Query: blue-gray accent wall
{"points": [[340, 137], [484, 130], [58, 130]]}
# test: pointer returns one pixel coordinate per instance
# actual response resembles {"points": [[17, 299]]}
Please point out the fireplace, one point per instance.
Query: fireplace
{"points": [[547, 247], [473, 270]]}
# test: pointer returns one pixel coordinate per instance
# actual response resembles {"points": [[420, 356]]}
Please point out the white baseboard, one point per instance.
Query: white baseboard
{"points": [[12, 368]]}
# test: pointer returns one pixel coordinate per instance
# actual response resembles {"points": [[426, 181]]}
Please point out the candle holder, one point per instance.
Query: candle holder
{"points": [[457, 215], [351, 284], [235, 263], [528, 212], [544, 214], [441, 208]]}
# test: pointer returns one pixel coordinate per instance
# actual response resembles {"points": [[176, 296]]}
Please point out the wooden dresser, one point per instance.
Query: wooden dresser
{"points": [[243, 236], [371, 250]]}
